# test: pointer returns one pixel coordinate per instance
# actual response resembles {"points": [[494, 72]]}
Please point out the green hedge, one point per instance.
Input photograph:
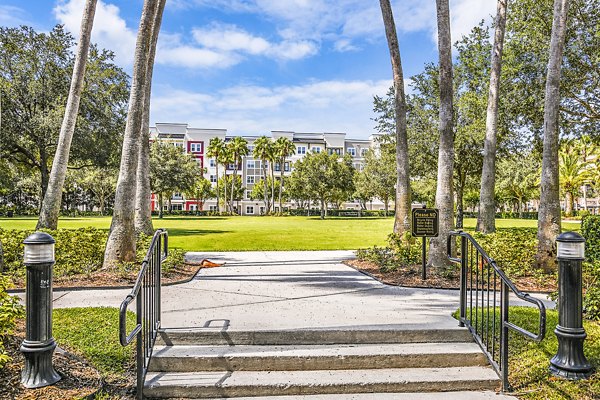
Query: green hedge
{"points": [[590, 229], [77, 250], [10, 310]]}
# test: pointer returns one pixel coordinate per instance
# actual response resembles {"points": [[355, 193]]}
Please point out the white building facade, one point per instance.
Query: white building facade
{"points": [[195, 141]]}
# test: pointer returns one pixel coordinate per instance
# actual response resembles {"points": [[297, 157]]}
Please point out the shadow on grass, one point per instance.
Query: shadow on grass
{"points": [[188, 218], [194, 232]]}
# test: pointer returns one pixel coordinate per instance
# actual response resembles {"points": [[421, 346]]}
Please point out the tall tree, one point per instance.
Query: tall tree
{"points": [[443, 195], [486, 221], [48, 217], [238, 148], [573, 173], [215, 150], [263, 150], [120, 245], [549, 211], [284, 148], [143, 212], [403, 208]]}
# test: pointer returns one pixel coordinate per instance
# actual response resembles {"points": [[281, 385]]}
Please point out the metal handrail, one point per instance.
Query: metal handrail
{"points": [[146, 293], [481, 272]]}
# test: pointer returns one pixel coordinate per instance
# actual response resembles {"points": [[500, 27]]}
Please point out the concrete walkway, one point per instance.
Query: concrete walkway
{"points": [[286, 290]]}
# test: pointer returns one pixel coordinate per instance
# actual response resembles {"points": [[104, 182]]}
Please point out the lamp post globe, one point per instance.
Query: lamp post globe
{"points": [[38, 346]]}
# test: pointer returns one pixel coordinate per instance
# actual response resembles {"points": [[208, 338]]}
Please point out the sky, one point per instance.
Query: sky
{"points": [[253, 66]]}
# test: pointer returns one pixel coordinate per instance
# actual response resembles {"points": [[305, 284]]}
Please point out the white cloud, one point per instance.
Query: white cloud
{"points": [[332, 106]]}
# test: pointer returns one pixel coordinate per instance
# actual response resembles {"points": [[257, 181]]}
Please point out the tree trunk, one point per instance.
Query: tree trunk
{"points": [[549, 211], [50, 209], [281, 185], [486, 222], [443, 195], [217, 172], [569, 204], [402, 205], [226, 200], [143, 193], [585, 207], [161, 202], [322, 209], [459, 206], [120, 245], [266, 188], [273, 186]]}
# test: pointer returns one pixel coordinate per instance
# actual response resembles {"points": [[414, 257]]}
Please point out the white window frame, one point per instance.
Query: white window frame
{"points": [[212, 162], [213, 179], [250, 210], [316, 149], [363, 152], [351, 151], [250, 179], [301, 150], [196, 147]]}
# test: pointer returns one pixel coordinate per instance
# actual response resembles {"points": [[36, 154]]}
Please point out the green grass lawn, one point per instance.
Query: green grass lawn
{"points": [[266, 233]]}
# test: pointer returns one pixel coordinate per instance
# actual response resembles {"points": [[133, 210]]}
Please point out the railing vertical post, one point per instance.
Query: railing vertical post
{"points": [[504, 337], [463, 280], [139, 344]]}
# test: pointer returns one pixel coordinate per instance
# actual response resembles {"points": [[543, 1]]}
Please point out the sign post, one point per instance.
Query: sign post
{"points": [[425, 223]]}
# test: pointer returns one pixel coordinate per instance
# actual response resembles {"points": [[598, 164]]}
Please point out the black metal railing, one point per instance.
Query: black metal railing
{"points": [[146, 293], [484, 302]]}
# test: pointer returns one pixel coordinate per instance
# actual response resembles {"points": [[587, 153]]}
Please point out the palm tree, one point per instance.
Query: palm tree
{"points": [[284, 148], [51, 203], [263, 149], [143, 193], [549, 211], [238, 148], [403, 208], [443, 196], [121, 242], [586, 148], [216, 149], [572, 171], [486, 220]]}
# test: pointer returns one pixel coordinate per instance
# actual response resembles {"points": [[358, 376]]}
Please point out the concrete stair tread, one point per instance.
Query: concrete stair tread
{"points": [[412, 334], [317, 350], [264, 383], [473, 395]]}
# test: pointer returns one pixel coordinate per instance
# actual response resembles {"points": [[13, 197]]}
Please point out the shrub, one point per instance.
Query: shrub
{"points": [[78, 251], [10, 310], [590, 228], [513, 249], [402, 250]]}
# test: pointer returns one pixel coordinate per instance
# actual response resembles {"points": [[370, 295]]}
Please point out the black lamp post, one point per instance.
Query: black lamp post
{"points": [[570, 362], [39, 344]]}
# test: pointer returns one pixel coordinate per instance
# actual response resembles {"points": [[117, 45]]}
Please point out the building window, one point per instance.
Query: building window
{"points": [[213, 179], [178, 144], [351, 151], [363, 152], [196, 147], [301, 150], [249, 209], [277, 167], [250, 164], [334, 151], [177, 195], [212, 162], [212, 208], [286, 166], [248, 193], [250, 179], [250, 149], [316, 149]]}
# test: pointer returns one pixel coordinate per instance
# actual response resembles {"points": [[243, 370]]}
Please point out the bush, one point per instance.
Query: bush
{"points": [[402, 250], [590, 228], [513, 249], [10, 310], [78, 251]]}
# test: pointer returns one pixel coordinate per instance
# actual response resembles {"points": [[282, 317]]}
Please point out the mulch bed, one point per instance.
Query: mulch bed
{"points": [[79, 378], [110, 278], [436, 279]]}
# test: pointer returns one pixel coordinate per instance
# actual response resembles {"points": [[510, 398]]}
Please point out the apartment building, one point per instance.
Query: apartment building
{"points": [[195, 141]]}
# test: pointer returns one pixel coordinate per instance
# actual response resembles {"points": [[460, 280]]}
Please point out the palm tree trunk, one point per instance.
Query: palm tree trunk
{"points": [[281, 185], [402, 206], [217, 172], [273, 186], [226, 200], [486, 221], [143, 212], [233, 185], [569, 204], [266, 189], [121, 242], [50, 208], [549, 211], [443, 195]]}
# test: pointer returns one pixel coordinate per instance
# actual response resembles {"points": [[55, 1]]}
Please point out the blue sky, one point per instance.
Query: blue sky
{"points": [[252, 66]]}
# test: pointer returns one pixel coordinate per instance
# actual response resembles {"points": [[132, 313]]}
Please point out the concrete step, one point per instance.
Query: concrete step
{"points": [[206, 336], [186, 358], [474, 395], [210, 384]]}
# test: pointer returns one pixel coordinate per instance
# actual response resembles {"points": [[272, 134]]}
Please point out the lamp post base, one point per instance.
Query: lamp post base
{"points": [[570, 362], [38, 371]]}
